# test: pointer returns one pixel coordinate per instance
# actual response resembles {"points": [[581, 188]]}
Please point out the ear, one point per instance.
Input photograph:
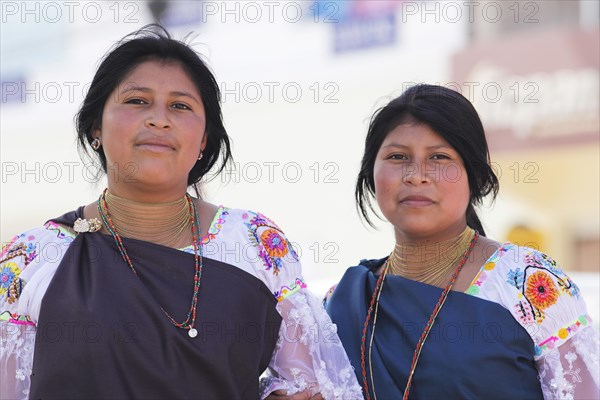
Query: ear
{"points": [[204, 140], [96, 133]]}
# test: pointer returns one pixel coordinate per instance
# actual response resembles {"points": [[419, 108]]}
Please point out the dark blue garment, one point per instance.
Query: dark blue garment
{"points": [[102, 334], [475, 350]]}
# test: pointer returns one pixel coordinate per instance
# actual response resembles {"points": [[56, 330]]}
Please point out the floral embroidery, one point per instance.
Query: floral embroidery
{"points": [[275, 245], [537, 278], [541, 290], [562, 334], [12, 250], [61, 232], [541, 261], [14, 290], [481, 276], [269, 240], [516, 278], [15, 318], [216, 225], [7, 246], [542, 275], [286, 291], [9, 272], [524, 313], [213, 230]]}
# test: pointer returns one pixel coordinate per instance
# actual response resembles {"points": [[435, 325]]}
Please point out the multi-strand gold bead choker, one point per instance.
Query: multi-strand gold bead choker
{"points": [[162, 223], [430, 263]]}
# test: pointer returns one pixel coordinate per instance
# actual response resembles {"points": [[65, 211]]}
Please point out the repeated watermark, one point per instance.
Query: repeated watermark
{"points": [[54, 12], [288, 331], [515, 91], [272, 92], [251, 172], [279, 92], [253, 12], [460, 11], [328, 92], [282, 172]]}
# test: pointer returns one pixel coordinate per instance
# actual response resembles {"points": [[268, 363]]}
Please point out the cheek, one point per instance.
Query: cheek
{"points": [[456, 183], [386, 183]]}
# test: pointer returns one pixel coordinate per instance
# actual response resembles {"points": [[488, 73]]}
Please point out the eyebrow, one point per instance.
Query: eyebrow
{"points": [[437, 146], [130, 88]]}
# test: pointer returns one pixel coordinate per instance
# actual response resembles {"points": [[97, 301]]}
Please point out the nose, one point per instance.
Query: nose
{"points": [[416, 173], [158, 118]]}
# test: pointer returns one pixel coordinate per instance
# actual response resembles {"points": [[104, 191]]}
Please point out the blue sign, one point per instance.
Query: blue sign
{"points": [[365, 32], [182, 13], [11, 89]]}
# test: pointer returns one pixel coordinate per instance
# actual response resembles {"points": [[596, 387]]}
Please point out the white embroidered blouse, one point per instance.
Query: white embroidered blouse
{"points": [[314, 360], [548, 304]]}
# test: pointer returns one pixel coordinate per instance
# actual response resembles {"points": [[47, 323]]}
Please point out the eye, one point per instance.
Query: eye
{"points": [[181, 106], [397, 156], [135, 101], [440, 156]]}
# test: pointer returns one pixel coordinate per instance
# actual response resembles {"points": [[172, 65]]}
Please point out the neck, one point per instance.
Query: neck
{"points": [[145, 194], [430, 261], [166, 223]]}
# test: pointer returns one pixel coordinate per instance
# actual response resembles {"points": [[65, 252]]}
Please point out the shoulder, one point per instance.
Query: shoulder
{"points": [[354, 274], [23, 256], [261, 231], [537, 291], [264, 249]]}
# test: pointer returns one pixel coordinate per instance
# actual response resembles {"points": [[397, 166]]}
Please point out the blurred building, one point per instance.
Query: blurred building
{"points": [[532, 71]]}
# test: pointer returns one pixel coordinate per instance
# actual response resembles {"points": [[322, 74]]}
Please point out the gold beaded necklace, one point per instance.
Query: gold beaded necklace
{"points": [[430, 263], [166, 223], [374, 306]]}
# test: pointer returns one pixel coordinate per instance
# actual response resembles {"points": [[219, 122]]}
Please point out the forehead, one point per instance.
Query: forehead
{"points": [[159, 73], [413, 135]]}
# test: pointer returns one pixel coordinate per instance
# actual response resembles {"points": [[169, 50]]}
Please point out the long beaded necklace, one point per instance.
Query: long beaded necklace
{"points": [[374, 305], [196, 241]]}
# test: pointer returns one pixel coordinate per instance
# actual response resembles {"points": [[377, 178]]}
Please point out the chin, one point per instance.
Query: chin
{"points": [[150, 177], [417, 228]]}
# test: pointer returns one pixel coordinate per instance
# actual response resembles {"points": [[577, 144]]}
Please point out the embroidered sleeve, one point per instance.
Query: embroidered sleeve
{"points": [[309, 354], [566, 343], [27, 265], [570, 371], [17, 331], [549, 305]]}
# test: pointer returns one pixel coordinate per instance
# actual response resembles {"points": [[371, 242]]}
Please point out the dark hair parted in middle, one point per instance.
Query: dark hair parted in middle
{"points": [[450, 115], [150, 43]]}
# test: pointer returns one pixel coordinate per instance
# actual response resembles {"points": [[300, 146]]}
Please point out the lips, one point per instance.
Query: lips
{"points": [[159, 144], [416, 201]]}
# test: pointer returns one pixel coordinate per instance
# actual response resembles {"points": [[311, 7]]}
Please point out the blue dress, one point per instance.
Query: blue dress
{"points": [[476, 349]]}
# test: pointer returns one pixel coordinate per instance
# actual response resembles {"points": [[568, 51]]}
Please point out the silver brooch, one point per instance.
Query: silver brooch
{"points": [[87, 225]]}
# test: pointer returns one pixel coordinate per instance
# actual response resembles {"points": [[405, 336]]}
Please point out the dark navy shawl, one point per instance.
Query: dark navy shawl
{"points": [[476, 349], [101, 332]]}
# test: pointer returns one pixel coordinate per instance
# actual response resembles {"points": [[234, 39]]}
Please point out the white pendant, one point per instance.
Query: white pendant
{"points": [[87, 225], [192, 333]]}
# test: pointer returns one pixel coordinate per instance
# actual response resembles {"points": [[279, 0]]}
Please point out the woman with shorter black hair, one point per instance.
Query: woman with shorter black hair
{"points": [[148, 292], [450, 313]]}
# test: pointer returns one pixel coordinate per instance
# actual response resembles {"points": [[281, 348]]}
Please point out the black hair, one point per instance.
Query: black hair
{"points": [[450, 115], [153, 42]]}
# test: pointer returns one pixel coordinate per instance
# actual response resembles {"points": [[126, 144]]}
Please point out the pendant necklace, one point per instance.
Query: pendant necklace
{"points": [[374, 307], [190, 320]]}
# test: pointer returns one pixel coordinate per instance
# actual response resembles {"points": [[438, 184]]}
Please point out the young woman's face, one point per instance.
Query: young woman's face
{"points": [[421, 185], [153, 129]]}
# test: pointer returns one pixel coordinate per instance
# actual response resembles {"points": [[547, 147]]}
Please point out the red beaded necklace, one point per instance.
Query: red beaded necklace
{"points": [[196, 241], [375, 304]]}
